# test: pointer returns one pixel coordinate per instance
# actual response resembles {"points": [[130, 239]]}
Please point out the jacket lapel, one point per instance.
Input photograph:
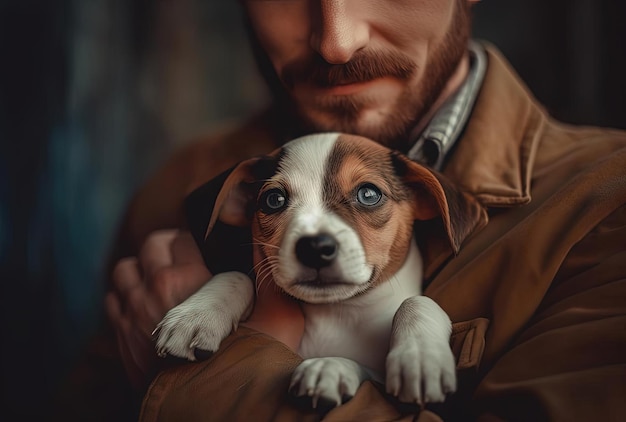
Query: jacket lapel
{"points": [[494, 158]]}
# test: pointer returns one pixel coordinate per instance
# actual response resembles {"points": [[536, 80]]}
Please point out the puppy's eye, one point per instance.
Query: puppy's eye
{"points": [[369, 195], [272, 200]]}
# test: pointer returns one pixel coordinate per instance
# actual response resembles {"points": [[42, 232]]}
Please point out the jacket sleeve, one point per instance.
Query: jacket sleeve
{"points": [[569, 363], [248, 379]]}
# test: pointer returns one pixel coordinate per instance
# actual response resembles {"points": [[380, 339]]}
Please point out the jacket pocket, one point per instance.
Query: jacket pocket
{"points": [[468, 343]]}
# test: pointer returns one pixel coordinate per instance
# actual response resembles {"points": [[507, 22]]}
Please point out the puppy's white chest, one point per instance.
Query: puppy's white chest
{"points": [[360, 328], [362, 337]]}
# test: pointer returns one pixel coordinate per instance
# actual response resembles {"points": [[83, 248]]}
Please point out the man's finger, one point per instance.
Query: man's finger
{"points": [[185, 250], [172, 285], [156, 252], [126, 275]]}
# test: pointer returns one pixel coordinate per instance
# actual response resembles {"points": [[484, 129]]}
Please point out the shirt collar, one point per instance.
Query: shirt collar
{"points": [[438, 138]]}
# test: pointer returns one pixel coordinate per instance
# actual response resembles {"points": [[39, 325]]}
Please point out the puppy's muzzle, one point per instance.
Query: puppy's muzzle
{"points": [[317, 251]]}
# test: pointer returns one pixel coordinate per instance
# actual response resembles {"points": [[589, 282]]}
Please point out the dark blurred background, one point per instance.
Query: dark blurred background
{"points": [[95, 93]]}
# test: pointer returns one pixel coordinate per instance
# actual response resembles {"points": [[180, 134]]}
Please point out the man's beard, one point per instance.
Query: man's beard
{"points": [[410, 107]]}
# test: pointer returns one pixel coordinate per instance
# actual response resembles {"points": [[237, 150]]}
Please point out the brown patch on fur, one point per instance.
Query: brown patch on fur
{"points": [[385, 229], [269, 229]]}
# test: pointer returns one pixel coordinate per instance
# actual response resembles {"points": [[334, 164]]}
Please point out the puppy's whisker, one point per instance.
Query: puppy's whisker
{"points": [[269, 245], [264, 261], [264, 265], [266, 276], [258, 242], [265, 271], [260, 281]]}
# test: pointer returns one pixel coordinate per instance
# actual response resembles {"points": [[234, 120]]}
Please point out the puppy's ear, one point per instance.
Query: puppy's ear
{"points": [[235, 200], [436, 196], [219, 214]]}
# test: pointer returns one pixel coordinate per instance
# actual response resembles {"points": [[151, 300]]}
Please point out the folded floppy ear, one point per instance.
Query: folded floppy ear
{"points": [[436, 196], [219, 214], [233, 202]]}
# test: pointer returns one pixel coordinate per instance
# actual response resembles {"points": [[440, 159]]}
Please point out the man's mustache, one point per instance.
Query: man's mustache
{"points": [[361, 68]]}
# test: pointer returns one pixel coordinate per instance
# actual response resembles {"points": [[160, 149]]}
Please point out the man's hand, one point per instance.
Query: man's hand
{"points": [[167, 271]]}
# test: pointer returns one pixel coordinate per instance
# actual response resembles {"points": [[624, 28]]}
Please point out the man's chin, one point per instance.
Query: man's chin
{"points": [[378, 124], [380, 112]]}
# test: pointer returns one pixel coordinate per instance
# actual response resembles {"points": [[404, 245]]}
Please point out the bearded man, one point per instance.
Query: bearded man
{"points": [[537, 295]]}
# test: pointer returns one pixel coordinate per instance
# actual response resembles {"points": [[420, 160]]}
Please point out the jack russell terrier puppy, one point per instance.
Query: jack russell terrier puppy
{"points": [[331, 217]]}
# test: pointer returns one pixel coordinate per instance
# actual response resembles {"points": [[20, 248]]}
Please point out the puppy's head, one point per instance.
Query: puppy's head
{"points": [[331, 215]]}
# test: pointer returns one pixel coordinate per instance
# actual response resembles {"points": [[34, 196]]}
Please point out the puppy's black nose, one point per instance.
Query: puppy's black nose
{"points": [[316, 251]]}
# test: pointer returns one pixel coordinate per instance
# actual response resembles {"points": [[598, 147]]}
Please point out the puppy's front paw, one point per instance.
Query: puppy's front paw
{"points": [[206, 318], [420, 372], [327, 382], [189, 326]]}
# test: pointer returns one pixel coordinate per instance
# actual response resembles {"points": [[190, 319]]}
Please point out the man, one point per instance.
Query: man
{"points": [[537, 295]]}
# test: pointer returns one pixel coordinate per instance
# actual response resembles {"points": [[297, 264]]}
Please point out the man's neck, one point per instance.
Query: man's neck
{"points": [[453, 84]]}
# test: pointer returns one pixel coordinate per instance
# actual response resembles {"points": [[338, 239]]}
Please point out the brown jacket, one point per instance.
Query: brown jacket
{"points": [[539, 294]]}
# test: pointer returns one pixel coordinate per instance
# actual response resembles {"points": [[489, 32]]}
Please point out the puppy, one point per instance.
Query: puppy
{"points": [[332, 219]]}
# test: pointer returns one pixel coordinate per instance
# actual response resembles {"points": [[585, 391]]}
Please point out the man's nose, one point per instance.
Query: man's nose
{"points": [[338, 32]]}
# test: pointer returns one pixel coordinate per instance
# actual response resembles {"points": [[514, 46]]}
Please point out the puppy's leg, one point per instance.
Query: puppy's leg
{"points": [[420, 364], [327, 382], [206, 317]]}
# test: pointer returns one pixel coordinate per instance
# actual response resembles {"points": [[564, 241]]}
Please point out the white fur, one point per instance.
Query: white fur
{"points": [[388, 333], [207, 317], [419, 353]]}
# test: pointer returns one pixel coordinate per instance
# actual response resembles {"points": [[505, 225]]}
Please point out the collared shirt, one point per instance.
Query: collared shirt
{"points": [[436, 141]]}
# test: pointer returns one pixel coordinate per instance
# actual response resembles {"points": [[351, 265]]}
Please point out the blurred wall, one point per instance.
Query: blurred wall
{"points": [[95, 93], [570, 53]]}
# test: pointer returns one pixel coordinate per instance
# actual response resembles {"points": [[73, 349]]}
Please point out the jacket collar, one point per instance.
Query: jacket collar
{"points": [[495, 155]]}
